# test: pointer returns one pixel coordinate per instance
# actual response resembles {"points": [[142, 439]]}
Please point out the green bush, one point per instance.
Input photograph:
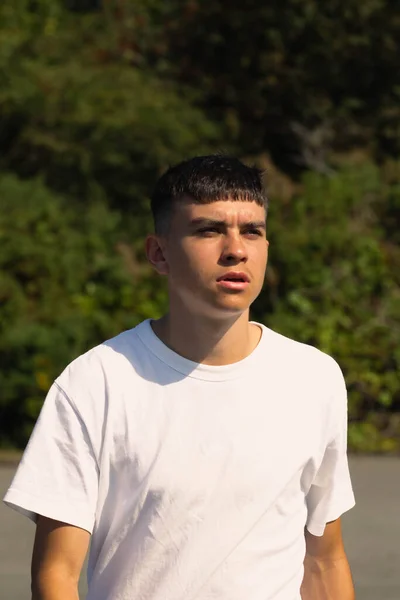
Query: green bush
{"points": [[297, 78], [96, 101], [78, 112], [69, 279]]}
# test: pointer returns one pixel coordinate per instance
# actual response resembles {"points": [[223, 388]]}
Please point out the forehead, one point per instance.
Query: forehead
{"points": [[230, 211]]}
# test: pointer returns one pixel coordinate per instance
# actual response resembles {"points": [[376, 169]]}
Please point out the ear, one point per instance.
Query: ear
{"points": [[155, 254]]}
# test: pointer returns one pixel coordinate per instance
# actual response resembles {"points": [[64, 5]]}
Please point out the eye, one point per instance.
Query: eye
{"points": [[208, 231], [254, 233]]}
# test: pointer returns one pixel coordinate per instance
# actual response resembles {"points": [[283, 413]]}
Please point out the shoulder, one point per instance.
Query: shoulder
{"points": [[311, 376], [93, 374], [99, 357], [300, 358]]}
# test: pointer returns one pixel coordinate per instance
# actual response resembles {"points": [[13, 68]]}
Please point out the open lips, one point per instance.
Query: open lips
{"points": [[234, 276], [234, 280]]}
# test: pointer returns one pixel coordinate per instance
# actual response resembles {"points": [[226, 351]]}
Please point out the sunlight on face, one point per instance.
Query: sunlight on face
{"points": [[208, 241]]}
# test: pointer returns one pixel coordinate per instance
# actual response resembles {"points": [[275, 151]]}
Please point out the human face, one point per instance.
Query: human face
{"points": [[206, 243]]}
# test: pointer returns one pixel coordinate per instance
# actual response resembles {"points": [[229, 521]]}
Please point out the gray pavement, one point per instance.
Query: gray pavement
{"points": [[371, 531]]}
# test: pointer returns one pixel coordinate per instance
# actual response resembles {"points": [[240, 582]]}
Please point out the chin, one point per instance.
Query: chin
{"points": [[233, 307], [220, 305]]}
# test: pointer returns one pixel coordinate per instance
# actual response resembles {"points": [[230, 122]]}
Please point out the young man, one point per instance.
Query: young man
{"points": [[204, 454]]}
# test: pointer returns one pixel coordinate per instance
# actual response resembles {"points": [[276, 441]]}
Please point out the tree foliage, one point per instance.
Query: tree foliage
{"points": [[98, 97], [299, 77], [83, 118], [68, 279]]}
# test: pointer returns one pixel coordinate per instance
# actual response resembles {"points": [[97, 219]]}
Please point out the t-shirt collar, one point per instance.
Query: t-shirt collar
{"points": [[199, 370]]}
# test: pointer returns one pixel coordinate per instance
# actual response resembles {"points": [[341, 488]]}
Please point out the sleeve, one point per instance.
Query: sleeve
{"points": [[58, 473], [331, 493]]}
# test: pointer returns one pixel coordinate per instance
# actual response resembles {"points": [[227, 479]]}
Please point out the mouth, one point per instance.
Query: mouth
{"points": [[234, 281]]}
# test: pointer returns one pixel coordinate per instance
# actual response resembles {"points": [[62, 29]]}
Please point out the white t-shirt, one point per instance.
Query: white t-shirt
{"points": [[195, 481]]}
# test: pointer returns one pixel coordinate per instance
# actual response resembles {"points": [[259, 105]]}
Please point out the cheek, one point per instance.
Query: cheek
{"points": [[258, 256], [188, 262]]}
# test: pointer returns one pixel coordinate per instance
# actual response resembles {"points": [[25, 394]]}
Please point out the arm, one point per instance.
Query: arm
{"points": [[58, 555], [327, 573]]}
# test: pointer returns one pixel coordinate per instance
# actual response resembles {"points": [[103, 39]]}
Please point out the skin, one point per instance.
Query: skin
{"points": [[327, 574], [58, 554], [207, 324]]}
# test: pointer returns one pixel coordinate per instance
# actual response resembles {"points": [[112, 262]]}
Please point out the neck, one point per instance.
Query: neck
{"points": [[208, 340]]}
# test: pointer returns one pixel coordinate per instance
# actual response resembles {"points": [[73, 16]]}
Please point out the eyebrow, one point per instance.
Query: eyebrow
{"points": [[201, 221]]}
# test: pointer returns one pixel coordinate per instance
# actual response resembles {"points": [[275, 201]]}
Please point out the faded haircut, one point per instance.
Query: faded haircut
{"points": [[205, 179]]}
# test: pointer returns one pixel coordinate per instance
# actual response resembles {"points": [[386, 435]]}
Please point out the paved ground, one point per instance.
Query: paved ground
{"points": [[371, 531]]}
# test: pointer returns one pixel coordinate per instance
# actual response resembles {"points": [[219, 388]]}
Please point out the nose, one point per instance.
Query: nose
{"points": [[234, 250]]}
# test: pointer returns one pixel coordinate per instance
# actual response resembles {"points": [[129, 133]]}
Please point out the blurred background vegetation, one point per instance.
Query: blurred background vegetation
{"points": [[97, 98]]}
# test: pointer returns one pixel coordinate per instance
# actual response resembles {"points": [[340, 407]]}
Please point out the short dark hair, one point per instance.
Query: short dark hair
{"points": [[205, 179]]}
